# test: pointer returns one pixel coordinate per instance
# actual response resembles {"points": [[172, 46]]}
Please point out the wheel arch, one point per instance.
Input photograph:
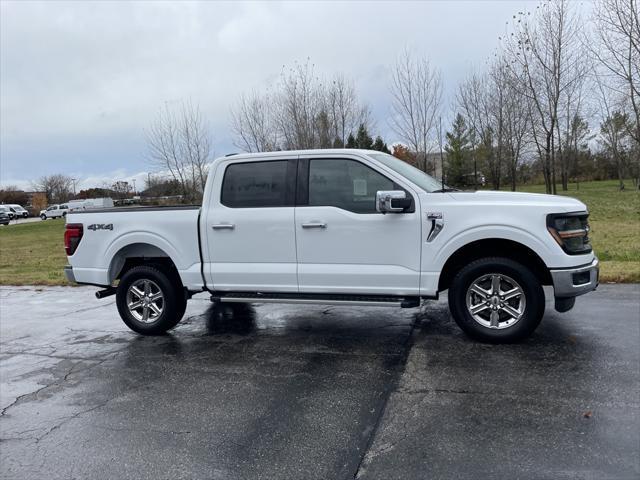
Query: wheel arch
{"points": [[493, 247], [139, 253]]}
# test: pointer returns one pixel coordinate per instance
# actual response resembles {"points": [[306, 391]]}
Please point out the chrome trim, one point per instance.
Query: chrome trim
{"points": [[223, 226], [563, 280], [384, 200], [437, 224]]}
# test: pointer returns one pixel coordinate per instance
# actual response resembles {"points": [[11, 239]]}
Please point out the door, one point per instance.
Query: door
{"points": [[344, 245], [249, 226]]}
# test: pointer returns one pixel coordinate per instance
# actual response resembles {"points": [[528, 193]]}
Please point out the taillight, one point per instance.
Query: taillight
{"points": [[72, 237]]}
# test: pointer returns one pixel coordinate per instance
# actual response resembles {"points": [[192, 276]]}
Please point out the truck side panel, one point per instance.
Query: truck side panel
{"points": [[108, 236]]}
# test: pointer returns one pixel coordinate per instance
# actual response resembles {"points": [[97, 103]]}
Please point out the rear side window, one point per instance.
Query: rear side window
{"points": [[345, 184], [255, 184]]}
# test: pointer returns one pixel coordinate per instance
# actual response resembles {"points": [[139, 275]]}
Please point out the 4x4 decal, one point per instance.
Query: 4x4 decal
{"points": [[100, 226]]}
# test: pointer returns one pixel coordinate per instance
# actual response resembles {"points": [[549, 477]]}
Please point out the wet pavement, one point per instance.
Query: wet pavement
{"points": [[277, 391]]}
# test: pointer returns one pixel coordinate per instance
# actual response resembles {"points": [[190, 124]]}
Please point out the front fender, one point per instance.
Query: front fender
{"points": [[485, 232]]}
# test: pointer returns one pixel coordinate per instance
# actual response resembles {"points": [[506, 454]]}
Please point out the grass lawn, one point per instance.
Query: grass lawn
{"points": [[615, 226], [33, 253]]}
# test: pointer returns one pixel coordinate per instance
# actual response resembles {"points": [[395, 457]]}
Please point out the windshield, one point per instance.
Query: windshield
{"points": [[411, 173]]}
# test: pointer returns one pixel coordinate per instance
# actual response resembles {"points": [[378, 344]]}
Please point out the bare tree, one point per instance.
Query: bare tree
{"points": [[516, 129], [617, 49], [179, 142], [498, 119], [346, 112], [301, 111], [545, 48], [416, 90], [252, 122], [299, 103], [57, 187], [613, 131], [472, 99]]}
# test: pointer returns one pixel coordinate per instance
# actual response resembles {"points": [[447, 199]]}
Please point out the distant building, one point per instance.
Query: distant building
{"points": [[433, 164]]}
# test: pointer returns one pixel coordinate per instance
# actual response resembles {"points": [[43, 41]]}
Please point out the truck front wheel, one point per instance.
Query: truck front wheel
{"points": [[496, 300], [149, 300]]}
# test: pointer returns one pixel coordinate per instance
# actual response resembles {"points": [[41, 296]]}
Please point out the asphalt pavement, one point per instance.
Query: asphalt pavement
{"points": [[315, 392]]}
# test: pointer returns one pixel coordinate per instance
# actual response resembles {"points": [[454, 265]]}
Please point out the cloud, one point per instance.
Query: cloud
{"points": [[80, 81]]}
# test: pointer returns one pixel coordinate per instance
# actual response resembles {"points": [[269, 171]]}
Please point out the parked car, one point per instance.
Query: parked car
{"points": [[18, 211], [5, 217], [54, 211], [339, 227]]}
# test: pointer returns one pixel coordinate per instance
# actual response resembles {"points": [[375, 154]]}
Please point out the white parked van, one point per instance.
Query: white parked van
{"points": [[17, 210]]}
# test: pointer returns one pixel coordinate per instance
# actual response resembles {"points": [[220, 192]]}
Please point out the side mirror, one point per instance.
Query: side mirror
{"points": [[392, 201]]}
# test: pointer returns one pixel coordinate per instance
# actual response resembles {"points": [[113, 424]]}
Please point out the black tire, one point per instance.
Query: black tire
{"points": [[173, 299], [43, 216], [508, 269]]}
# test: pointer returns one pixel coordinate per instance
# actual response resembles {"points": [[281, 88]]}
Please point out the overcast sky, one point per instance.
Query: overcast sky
{"points": [[81, 81]]}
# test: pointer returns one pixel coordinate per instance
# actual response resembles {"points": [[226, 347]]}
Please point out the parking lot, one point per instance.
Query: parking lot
{"points": [[276, 391]]}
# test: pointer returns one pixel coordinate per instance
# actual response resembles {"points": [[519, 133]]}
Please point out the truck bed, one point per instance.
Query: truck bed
{"points": [[110, 235]]}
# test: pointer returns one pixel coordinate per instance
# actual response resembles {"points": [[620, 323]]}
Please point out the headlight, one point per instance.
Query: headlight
{"points": [[571, 231]]}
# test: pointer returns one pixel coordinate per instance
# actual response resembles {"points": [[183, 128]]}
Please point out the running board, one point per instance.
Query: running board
{"points": [[325, 299]]}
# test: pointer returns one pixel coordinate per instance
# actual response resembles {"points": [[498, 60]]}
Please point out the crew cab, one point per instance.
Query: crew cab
{"points": [[338, 227], [54, 211]]}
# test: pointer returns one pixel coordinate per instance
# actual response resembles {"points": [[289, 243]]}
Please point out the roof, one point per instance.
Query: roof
{"points": [[317, 151]]}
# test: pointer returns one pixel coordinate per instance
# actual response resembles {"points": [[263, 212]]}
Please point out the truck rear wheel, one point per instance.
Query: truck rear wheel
{"points": [[149, 300], [496, 300]]}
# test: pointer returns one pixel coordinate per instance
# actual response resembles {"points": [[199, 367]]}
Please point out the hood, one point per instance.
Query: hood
{"points": [[566, 204]]}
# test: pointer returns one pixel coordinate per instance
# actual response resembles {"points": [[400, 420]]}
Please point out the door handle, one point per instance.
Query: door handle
{"points": [[223, 226], [314, 225]]}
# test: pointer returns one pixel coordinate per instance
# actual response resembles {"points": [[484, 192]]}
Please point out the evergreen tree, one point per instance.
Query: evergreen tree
{"points": [[337, 143], [380, 145], [457, 148], [363, 139], [351, 141]]}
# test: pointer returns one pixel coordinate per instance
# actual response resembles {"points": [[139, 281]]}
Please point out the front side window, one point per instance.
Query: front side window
{"points": [[255, 184], [345, 184], [418, 177]]}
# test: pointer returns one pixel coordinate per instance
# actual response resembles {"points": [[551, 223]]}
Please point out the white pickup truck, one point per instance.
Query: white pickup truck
{"points": [[338, 227]]}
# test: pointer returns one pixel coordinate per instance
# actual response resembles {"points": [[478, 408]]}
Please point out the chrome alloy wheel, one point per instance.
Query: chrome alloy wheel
{"points": [[145, 300], [496, 301]]}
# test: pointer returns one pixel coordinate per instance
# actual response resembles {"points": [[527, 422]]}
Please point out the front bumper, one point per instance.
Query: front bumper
{"points": [[571, 282]]}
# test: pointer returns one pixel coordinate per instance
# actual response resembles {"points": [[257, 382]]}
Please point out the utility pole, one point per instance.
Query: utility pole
{"points": [[134, 186], [73, 181]]}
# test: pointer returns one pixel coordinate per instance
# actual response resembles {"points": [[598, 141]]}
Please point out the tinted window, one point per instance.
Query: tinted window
{"points": [[255, 184], [345, 184]]}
